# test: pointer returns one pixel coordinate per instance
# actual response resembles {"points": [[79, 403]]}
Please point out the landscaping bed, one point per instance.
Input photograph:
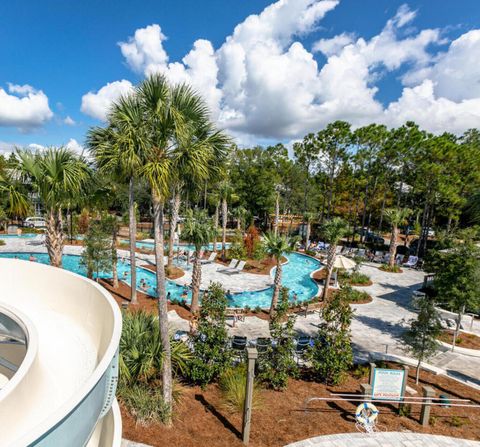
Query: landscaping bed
{"points": [[464, 340], [201, 418]]}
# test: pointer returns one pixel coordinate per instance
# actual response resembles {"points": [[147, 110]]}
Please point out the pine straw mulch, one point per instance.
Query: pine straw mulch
{"points": [[202, 420], [464, 340]]}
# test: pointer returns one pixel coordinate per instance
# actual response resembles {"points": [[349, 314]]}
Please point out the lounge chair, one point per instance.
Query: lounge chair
{"points": [[233, 263], [399, 259], [378, 256], [386, 258], [301, 347], [361, 253], [237, 269], [263, 344], [210, 259], [238, 345], [411, 262], [38, 240], [338, 249]]}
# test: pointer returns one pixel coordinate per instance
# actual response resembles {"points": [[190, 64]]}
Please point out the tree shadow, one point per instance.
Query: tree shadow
{"points": [[223, 420], [385, 327]]}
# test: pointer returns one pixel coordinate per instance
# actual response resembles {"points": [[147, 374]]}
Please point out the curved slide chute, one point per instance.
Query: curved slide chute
{"points": [[59, 338]]}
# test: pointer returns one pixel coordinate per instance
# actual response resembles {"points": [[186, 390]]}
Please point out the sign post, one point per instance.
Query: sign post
{"points": [[252, 355]]}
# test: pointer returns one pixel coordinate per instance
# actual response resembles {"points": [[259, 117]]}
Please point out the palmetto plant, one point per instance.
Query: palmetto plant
{"points": [[57, 175], [141, 349], [275, 246], [396, 217], [197, 230], [332, 230]]}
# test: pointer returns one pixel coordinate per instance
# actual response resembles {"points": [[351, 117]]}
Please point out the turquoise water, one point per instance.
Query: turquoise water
{"points": [[22, 236], [296, 276], [149, 245]]}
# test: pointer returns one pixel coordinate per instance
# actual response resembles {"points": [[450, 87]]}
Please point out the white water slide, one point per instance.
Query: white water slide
{"points": [[59, 337]]}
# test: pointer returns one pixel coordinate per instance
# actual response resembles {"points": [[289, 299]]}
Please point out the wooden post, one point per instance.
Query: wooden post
{"points": [[366, 390], [428, 393], [372, 370], [404, 386], [252, 355]]}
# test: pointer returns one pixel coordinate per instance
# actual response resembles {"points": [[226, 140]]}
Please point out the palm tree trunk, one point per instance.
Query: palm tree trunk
{"points": [[277, 212], [393, 246], [54, 237], [330, 263], [173, 226], [162, 303], [224, 227], [307, 235], [132, 229], [196, 280], [277, 283], [114, 257], [215, 227]]}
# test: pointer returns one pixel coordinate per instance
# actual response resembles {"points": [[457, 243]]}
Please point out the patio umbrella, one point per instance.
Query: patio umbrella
{"points": [[342, 262]]}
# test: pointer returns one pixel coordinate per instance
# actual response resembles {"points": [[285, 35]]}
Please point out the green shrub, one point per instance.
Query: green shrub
{"points": [[237, 250], [310, 252], [2, 242], [331, 355], [361, 371], [141, 350], [350, 295], [386, 268], [258, 310], [232, 384], [210, 342], [144, 403], [277, 364], [405, 410], [356, 278]]}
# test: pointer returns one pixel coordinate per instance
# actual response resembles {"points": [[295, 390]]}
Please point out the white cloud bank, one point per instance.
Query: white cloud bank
{"points": [[262, 83], [24, 107]]}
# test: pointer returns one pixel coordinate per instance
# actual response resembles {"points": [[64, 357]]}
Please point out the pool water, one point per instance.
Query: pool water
{"points": [[296, 276], [149, 245], [21, 236]]}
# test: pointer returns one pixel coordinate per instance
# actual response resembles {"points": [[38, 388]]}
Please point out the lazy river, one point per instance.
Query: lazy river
{"points": [[296, 276]]}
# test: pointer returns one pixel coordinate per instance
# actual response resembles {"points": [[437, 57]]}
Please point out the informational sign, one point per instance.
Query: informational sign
{"points": [[388, 383]]}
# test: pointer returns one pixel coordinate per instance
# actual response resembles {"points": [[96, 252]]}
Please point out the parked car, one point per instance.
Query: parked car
{"points": [[374, 238], [34, 222]]}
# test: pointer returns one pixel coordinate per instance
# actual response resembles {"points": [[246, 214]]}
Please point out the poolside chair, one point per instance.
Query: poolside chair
{"points": [[210, 259], [411, 262], [263, 344], [361, 253], [232, 265], [378, 256], [237, 269], [338, 249], [303, 342], [399, 259], [239, 344], [38, 240], [386, 258]]}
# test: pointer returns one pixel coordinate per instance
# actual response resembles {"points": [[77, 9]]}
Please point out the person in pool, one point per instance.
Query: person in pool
{"points": [[295, 298], [125, 274], [32, 258], [229, 295], [143, 285]]}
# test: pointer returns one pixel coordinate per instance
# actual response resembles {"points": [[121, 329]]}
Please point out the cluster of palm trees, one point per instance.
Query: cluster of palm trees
{"points": [[161, 134]]}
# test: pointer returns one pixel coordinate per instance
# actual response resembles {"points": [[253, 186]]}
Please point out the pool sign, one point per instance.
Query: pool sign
{"points": [[388, 383]]}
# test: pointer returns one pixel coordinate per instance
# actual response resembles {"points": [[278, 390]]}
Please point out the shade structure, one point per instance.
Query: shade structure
{"points": [[342, 262]]}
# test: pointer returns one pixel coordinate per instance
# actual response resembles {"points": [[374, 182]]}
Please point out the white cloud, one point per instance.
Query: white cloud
{"points": [[69, 121], [98, 104], [75, 146], [36, 147], [262, 83], [23, 107]]}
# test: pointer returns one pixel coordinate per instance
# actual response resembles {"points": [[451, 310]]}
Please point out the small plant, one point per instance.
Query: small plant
{"points": [[258, 310], [237, 250], [457, 421], [392, 269], [247, 309], [356, 278], [433, 420], [145, 403], [351, 295], [232, 384], [2, 242], [361, 371], [405, 410]]}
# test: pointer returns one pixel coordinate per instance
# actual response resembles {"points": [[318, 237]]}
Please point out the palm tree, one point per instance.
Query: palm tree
{"points": [[57, 175], [171, 116], [199, 154], [119, 150], [333, 230], [278, 190], [240, 214], [308, 218], [197, 230], [227, 196], [396, 217], [276, 246]]}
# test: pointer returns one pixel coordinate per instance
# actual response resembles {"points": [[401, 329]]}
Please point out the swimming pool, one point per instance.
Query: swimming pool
{"points": [[149, 245], [296, 276], [18, 236]]}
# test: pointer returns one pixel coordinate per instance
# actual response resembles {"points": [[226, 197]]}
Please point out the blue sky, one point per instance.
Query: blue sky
{"points": [[65, 49]]}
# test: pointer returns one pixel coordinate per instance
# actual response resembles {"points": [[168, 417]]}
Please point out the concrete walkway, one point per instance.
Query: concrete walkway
{"points": [[388, 439]]}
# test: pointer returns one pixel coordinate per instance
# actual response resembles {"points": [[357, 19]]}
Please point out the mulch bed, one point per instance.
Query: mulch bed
{"points": [[201, 419], [464, 340], [262, 267]]}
